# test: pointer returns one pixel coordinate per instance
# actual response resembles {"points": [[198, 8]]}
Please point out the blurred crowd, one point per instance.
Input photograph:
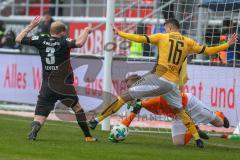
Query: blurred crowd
{"points": [[7, 37], [214, 35], [218, 35]]}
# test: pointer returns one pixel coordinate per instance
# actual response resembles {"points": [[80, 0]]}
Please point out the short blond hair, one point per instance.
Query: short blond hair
{"points": [[57, 27]]}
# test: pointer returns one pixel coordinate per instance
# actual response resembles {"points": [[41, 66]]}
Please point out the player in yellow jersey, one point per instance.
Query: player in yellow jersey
{"points": [[197, 110], [164, 78]]}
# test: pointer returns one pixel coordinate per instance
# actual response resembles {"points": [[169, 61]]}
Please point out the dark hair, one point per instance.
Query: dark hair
{"points": [[173, 21]]}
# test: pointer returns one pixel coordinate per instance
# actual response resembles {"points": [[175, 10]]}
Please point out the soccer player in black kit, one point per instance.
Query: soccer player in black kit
{"points": [[54, 51]]}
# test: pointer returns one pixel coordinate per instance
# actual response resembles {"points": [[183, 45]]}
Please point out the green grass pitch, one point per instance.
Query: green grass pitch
{"points": [[64, 141]]}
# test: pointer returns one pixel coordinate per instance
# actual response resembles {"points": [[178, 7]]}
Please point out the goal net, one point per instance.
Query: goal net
{"points": [[213, 79]]}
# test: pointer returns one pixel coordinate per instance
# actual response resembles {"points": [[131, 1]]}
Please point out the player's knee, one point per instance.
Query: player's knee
{"points": [[43, 111], [70, 101], [178, 141], [75, 101]]}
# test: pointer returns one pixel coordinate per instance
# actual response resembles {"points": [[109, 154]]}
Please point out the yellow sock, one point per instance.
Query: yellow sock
{"points": [[187, 121], [112, 108]]}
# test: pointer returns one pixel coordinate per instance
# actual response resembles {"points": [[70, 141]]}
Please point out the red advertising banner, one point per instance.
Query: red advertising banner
{"points": [[95, 43]]}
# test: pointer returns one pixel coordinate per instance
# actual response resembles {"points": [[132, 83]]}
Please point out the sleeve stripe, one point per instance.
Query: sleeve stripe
{"points": [[181, 66], [148, 40], [203, 49]]}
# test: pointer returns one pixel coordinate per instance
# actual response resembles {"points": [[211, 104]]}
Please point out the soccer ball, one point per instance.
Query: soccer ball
{"points": [[119, 132]]}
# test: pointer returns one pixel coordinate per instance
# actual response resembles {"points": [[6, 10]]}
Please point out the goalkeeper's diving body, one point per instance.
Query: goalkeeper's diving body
{"points": [[164, 78], [198, 111]]}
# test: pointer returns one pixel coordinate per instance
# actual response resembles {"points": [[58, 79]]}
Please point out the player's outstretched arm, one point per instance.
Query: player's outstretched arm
{"points": [[212, 50], [28, 29], [131, 37], [83, 37]]}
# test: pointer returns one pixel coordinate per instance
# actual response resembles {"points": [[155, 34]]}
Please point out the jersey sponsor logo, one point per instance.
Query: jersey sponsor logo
{"points": [[51, 44], [35, 38]]}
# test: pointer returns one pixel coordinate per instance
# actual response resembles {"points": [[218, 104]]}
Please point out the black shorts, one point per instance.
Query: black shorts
{"points": [[48, 97]]}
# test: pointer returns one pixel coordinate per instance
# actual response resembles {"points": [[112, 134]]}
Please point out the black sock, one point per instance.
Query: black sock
{"points": [[35, 126], [82, 122], [136, 110]]}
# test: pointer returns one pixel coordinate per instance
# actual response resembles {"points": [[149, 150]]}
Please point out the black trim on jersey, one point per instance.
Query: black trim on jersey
{"points": [[72, 44], [203, 49], [181, 67], [148, 40], [154, 70]]}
